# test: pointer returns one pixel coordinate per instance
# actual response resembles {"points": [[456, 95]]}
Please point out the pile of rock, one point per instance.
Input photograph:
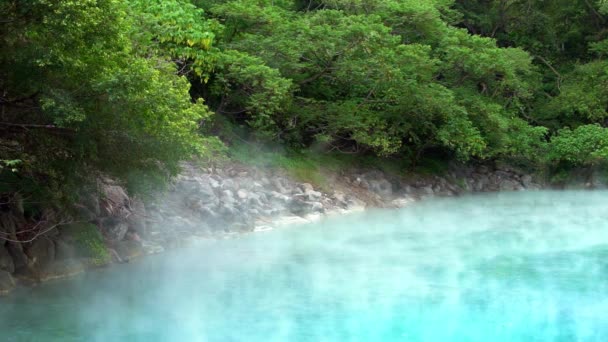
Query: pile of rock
{"points": [[212, 202]]}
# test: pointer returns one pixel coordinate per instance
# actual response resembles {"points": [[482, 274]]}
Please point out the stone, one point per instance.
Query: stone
{"points": [[401, 202], [64, 250], [207, 213], [509, 185], [6, 261], [114, 198], [306, 187], [228, 211], [19, 257], [60, 269], [7, 225], [526, 181], [128, 250], [7, 283], [381, 187], [114, 229], [279, 197], [317, 207], [427, 190], [313, 195], [91, 202], [205, 193], [228, 184], [227, 196], [41, 252], [213, 183], [84, 213], [242, 194], [137, 218], [279, 185]]}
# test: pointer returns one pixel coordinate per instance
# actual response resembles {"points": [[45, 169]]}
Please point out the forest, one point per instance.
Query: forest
{"points": [[128, 89]]}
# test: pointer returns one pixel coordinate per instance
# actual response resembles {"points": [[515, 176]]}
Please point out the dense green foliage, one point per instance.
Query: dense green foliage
{"points": [[83, 90], [468, 79], [118, 87]]}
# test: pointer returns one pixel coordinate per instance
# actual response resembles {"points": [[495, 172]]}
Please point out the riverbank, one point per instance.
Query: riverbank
{"points": [[215, 202]]}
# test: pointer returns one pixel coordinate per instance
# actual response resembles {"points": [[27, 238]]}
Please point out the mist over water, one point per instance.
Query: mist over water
{"points": [[528, 266]]}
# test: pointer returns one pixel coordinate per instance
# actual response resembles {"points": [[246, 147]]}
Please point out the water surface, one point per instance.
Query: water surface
{"points": [[529, 266]]}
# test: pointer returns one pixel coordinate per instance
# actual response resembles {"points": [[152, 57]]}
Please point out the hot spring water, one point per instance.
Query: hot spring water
{"points": [[529, 266]]}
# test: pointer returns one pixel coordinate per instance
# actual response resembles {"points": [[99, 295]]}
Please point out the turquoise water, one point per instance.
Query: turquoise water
{"points": [[503, 267]]}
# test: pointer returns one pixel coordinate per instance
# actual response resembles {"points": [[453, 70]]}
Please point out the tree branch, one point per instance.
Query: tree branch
{"points": [[559, 76]]}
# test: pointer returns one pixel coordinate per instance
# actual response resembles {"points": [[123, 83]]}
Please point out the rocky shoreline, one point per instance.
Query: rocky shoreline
{"points": [[215, 202]]}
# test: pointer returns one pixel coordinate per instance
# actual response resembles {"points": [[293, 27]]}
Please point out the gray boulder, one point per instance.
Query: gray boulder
{"points": [[128, 250], [381, 187], [7, 283], [137, 219], [64, 250], [242, 194], [6, 261], [114, 229], [41, 252], [114, 199], [18, 256]]}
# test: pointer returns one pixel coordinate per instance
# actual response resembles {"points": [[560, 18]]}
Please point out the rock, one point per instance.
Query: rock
{"points": [[317, 207], [84, 213], [152, 248], [6, 261], [401, 202], [242, 194], [91, 202], [137, 219], [361, 182], [228, 211], [41, 252], [18, 256], [64, 250], [526, 181], [228, 184], [339, 196], [205, 193], [313, 195], [306, 187], [114, 229], [278, 184], [128, 250], [61, 269], [509, 185], [381, 187], [279, 197], [227, 196], [207, 213], [7, 225], [114, 198], [7, 283], [213, 183], [427, 190]]}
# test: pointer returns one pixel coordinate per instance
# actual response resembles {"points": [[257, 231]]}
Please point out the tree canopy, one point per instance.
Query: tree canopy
{"points": [[130, 88]]}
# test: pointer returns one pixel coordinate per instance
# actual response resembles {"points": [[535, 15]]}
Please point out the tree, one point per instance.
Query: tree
{"points": [[96, 99]]}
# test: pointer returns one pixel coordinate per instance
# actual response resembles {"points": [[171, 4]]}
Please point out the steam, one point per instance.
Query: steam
{"points": [[501, 267]]}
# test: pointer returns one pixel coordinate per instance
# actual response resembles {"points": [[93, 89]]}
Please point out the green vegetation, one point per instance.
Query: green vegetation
{"points": [[130, 88], [88, 242]]}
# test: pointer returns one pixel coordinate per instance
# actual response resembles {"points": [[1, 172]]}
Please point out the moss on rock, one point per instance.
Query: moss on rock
{"points": [[88, 242]]}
